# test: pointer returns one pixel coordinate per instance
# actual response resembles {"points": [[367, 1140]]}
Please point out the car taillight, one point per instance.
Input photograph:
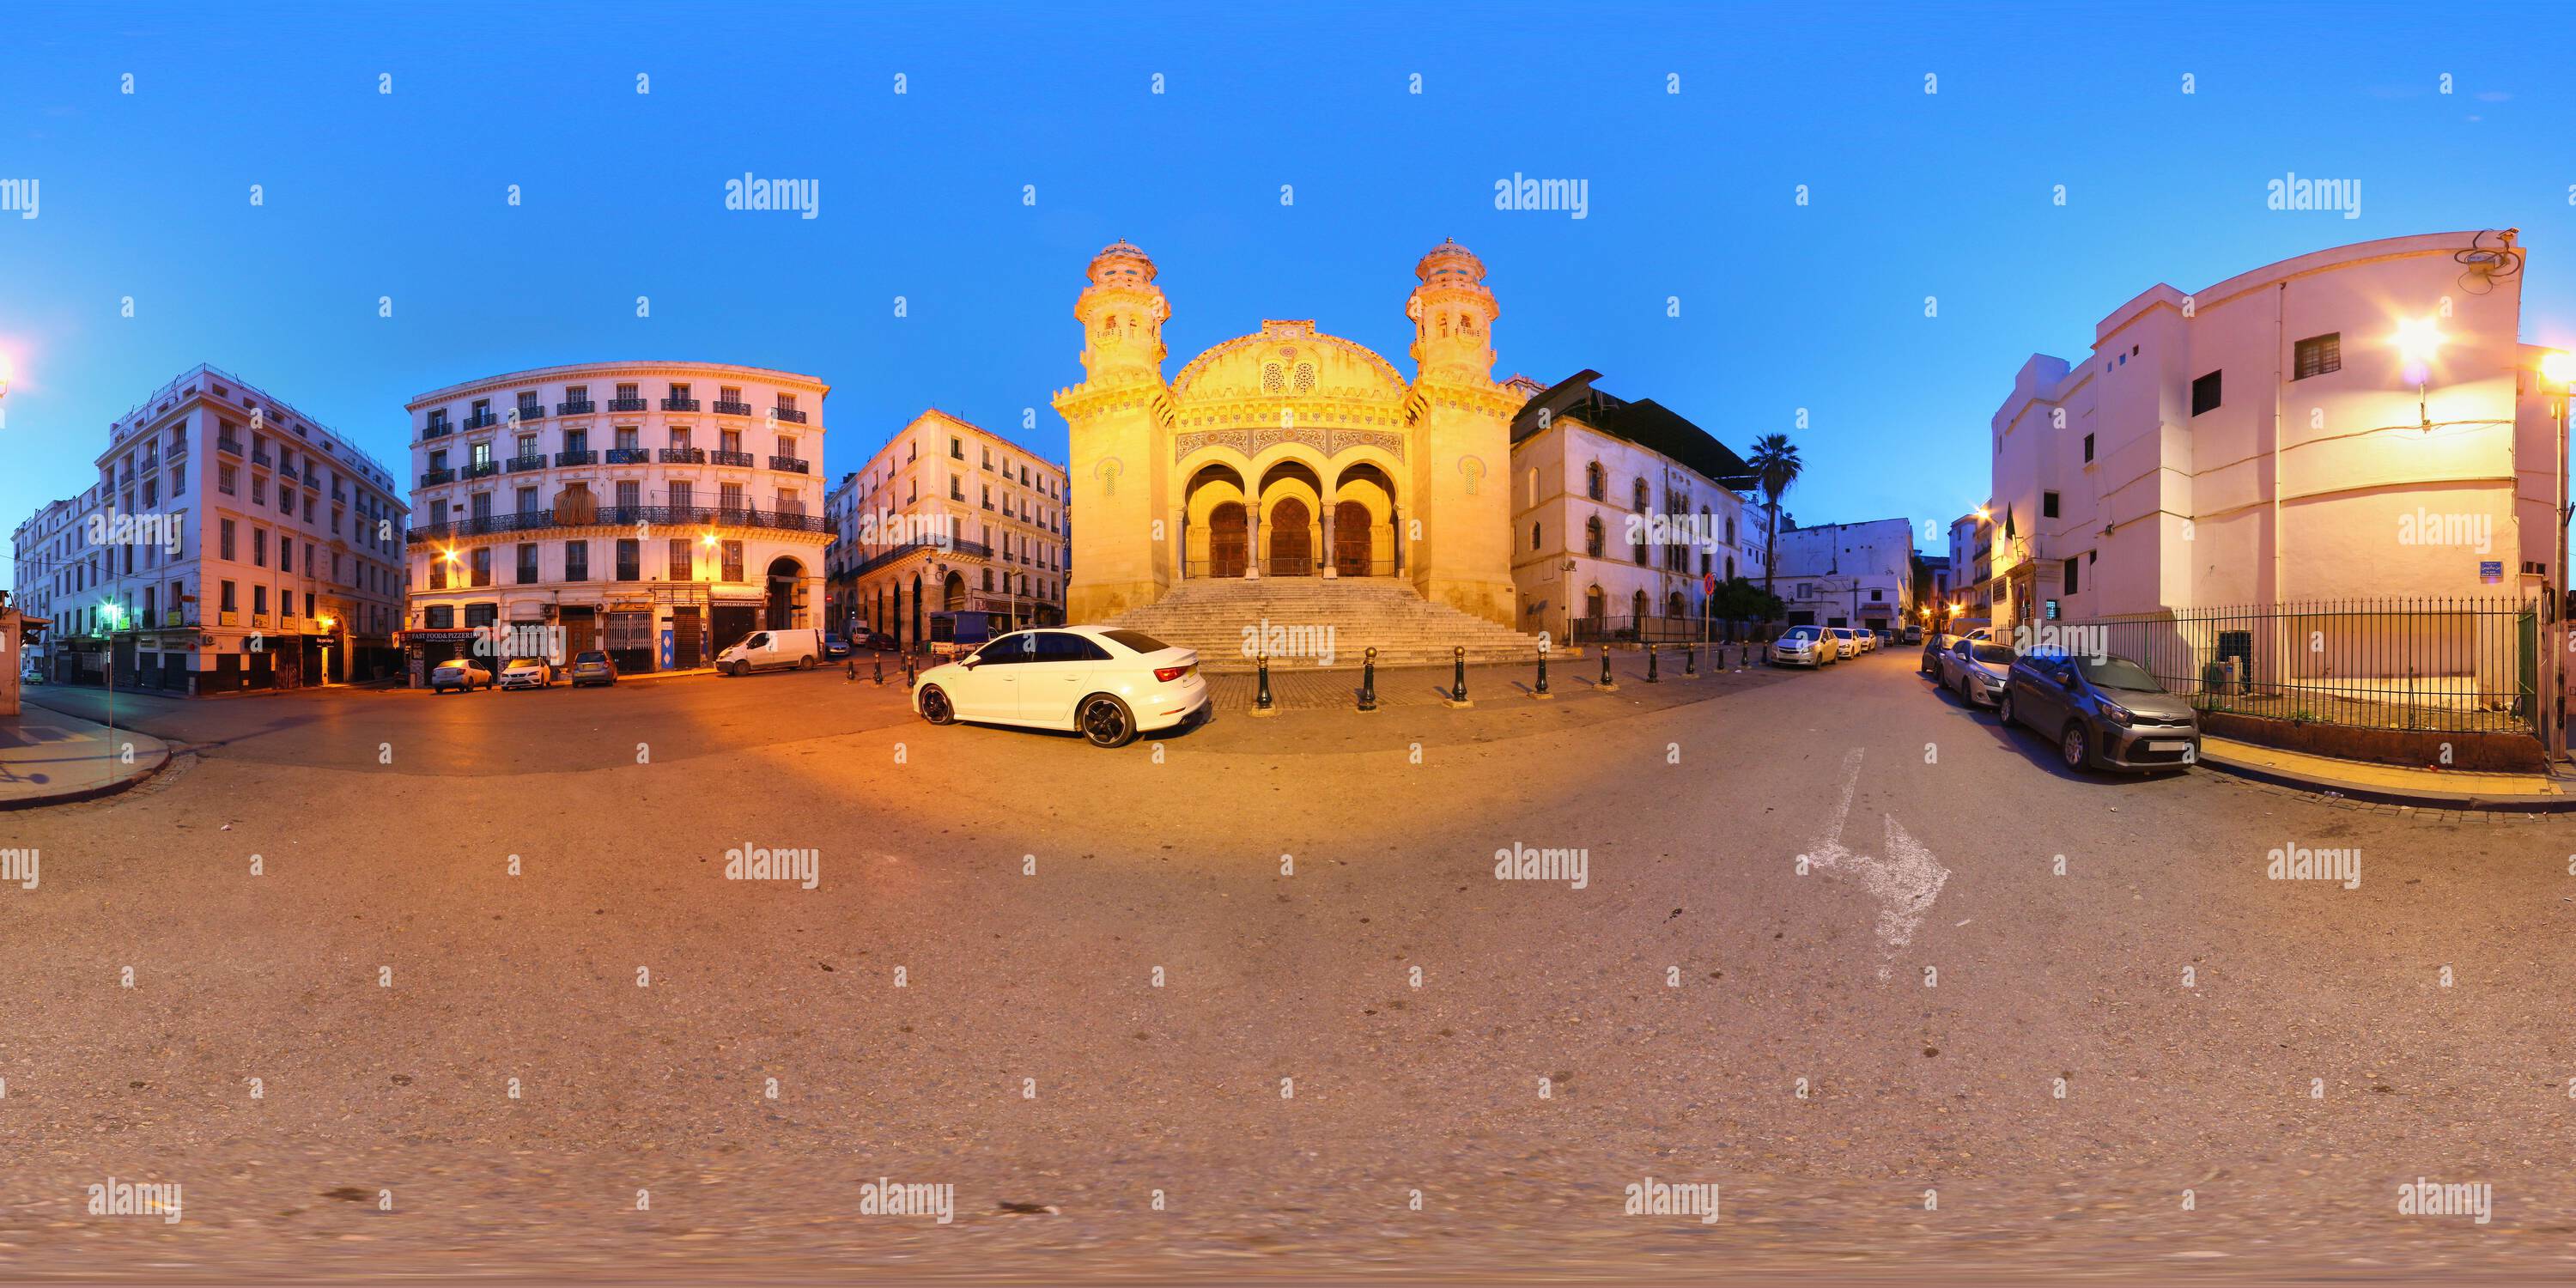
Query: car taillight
{"points": [[1167, 674]]}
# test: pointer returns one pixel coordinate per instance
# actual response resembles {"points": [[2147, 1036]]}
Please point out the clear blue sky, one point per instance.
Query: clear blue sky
{"points": [[1690, 195]]}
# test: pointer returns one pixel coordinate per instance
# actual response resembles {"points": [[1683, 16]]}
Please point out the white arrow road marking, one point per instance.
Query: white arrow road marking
{"points": [[1905, 883]]}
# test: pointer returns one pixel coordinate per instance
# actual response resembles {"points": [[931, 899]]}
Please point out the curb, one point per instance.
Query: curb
{"points": [[2388, 796], [124, 784]]}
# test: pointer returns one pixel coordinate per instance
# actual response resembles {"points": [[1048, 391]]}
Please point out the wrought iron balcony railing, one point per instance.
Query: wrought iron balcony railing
{"points": [[679, 404], [587, 456], [484, 420], [684, 456], [788, 415], [432, 478], [482, 469], [787, 463], [742, 459], [629, 456], [724, 408], [628, 404], [576, 407], [696, 516], [531, 461]]}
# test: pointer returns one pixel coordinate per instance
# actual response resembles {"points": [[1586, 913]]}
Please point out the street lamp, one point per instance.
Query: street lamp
{"points": [[5, 373], [2417, 340]]}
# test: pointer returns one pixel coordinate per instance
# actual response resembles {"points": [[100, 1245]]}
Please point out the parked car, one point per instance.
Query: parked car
{"points": [[1976, 670], [1913, 635], [1813, 646], [461, 674], [528, 673], [1934, 645], [961, 631], [835, 648], [593, 667], [1850, 639], [1107, 685], [797, 647], [2104, 711]]}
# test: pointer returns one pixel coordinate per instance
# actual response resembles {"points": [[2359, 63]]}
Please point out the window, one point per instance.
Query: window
{"points": [[2048, 505], [1534, 541], [684, 555], [259, 547], [227, 480], [229, 601], [1592, 538], [528, 564], [1639, 497], [732, 561], [2204, 394], [2319, 354], [483, 565], [630, 559], [225, 538], [2088, 447], [2071, 566], [576, 561]]}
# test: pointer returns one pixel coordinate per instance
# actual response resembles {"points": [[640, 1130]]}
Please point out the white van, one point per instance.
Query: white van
{"points": [[800, 647]]}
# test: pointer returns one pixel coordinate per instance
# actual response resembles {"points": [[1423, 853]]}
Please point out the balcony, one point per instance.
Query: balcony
{"points": [[522, 464], [742, 459], [724, 408], [584, 457], [576, 407], [787, 463], [529, 413], [788, 415], [679, 404], [436, 429], [684, 456], [432, 478], [229, 446], [261, 459], [628, 515], [227, 617], [875, 562], [482, 469], [481, 420], [628, 404], [287, 472], [629, 456]]}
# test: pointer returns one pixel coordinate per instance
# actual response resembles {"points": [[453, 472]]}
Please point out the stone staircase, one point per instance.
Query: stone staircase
{"points": [[1293, 613]]}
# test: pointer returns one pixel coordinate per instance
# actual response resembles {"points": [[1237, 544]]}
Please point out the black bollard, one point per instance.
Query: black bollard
{"points": [[850, 671], [1261, 700], [1542, 671], [1651, 651], [880, 665], [1458, 685], [1368, 681], [908, 681], [1690, 663], [1608, 685]]}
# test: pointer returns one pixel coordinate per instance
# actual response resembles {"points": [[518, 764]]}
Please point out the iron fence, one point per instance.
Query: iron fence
{"points": [[2464, 665], [1666, 630]]}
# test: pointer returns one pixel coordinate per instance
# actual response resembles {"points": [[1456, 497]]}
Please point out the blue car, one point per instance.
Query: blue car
{"points": [[835, 646]]}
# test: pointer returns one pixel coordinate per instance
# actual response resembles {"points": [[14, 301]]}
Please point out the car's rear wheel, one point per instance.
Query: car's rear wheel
{"points": [[935, 707], [1105, 721], [2076, 746], [805, 663]]}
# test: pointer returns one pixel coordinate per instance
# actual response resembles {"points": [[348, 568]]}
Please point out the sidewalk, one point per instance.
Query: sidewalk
{"points": [[48, 758], [2392, 784]]}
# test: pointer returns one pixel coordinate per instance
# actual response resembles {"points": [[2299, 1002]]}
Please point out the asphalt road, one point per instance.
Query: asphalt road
{"points": [[968, 997]]}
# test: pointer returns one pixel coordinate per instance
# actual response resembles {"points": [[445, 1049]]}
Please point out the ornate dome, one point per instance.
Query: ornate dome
{"points": [[1451, 261], [1121, 264]]}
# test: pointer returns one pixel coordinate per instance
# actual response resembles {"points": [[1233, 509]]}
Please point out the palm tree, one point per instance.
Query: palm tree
{"points": [[1775, 467]]}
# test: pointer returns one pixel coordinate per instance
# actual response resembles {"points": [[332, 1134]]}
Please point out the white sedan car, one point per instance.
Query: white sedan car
{"points": [[1106, 684]]}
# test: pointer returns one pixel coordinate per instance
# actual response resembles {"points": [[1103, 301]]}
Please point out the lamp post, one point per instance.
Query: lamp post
{"points": [[2417, 340], [2559, 368]]}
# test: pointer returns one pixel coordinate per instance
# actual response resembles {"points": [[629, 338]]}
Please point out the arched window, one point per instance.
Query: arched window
{"points": [[1595, 603], [1592, 539], [1533, 485], [1534, 545], [1730, 567], [1674, 606], [1644, 553], [1637, 606], [1595, 484], [1640, 506]]}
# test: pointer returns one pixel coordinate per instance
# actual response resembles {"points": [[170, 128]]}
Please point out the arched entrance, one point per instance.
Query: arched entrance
{"points": [[785, 601], [914, 639], [1354, 533], [1292, 539], [1637, 608], [952, 594], [1226, 557], [1595, 604], [1674, 608]]}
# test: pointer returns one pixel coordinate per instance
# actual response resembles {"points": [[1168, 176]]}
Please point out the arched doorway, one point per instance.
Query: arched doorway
{"points": [[912, 640], [952, 594], [1292, 539], [1674, 607], [1226, 557], [1637, 607], [1595, 604], [1354, 533], [785, 600]]}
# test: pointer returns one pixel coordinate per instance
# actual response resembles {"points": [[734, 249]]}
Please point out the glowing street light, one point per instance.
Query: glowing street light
{"points": [[2417, 340], [2558, 367], [5, 372]]}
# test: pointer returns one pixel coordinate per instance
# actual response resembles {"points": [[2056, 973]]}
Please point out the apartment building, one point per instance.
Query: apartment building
{"points": [[1621, 512], [1848, 574], [657, 510], [231, 542], [2359, 421], [949, 516]]}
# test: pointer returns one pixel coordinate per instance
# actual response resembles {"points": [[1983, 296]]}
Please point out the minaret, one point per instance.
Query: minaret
{"points": [[1460, 454], [1117, 421]]}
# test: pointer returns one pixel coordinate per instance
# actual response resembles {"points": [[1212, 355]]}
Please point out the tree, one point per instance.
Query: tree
{"points": [[1737, 599], [1775, 468]]}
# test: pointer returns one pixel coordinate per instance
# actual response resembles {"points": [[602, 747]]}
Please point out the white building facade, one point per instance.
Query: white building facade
{"points": [[1849, 574], [950, 517], [231, 543], [655, 510], [1621, 513]]}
